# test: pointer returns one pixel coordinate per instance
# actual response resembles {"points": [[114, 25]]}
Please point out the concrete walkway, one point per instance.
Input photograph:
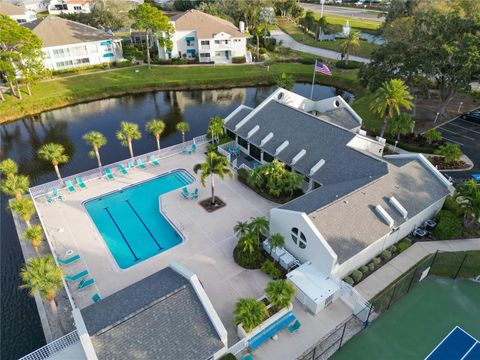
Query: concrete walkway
{"points": [[291, 43], [389, 272]]}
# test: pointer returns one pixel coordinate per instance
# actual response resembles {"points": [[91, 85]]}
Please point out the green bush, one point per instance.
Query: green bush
{"points": [[445, 214], [239, 60], [269, 268], [371, 266], [404, 244], [349, 280], [356, 275], [392, 249], [242, 173], [228, 356], [262, 50], [342, 64], [363, 269], [452, 205], [449, 226], [376, 260], [130, 52], [386, 255], [178, 61], [247, 260]]}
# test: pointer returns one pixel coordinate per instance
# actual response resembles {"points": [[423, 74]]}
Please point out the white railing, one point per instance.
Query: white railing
{"points": [[237, 348], [54, 347], [244, 166], [224, 152], [97, 173], [360, 306]]}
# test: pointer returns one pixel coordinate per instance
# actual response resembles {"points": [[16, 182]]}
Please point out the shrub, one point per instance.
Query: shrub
{"points": [[247, 260], [262, 50], [178, 61], [445, 214], [371, 266], [342, 64], [130, 52], [250, 313], [392, 249], [363, 269], [356, 275], [228, 356], [280, 293], [269, 268], [449, 226], [452, 205], [239, 60], [243, 173], [269, 43], [450, 152], [376, 261], [404, 244], [386, 255], [349, 280]]}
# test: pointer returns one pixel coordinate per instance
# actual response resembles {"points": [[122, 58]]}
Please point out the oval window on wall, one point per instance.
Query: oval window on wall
{"points": [[299, 238], [295, 235]]}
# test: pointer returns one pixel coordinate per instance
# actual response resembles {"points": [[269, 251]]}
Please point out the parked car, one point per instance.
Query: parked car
{"points": [[359, 3], [473, 116]]}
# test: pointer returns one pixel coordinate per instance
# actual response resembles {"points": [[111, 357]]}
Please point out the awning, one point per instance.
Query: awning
{"points": [[191, 51], [108, 55], [108, 42], [190, 38]]}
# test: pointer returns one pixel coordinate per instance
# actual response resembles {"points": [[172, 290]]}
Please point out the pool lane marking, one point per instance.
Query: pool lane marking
{"points": [[121, 233], [139, 218]]}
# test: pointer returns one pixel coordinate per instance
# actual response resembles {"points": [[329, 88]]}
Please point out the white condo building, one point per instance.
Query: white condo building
{"points": [[70, 6], [18, 13], [207, 37], [69, 44]]}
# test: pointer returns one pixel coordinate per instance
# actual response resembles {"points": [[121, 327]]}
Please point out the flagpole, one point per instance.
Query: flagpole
{"points": [[313, 80]]}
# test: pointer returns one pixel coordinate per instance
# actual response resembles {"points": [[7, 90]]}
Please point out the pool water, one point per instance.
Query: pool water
{"points": [[130, 220]]}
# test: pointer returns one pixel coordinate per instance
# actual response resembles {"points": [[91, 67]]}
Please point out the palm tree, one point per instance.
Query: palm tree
{"points": [[400, 125], [156, 128], [35, 235], [389, 99], [276, 241], [450, 152], [280, 293], [127, 133], [55, 153], [24, 208], [248, 243], [215, 165], [96, 140], [216, 128], [250, 313], [15, 185], [41, 276], [241, 228], [259, 225], [432, 135], [9, 168], [183, 127], [469, 192], [352, 42]]}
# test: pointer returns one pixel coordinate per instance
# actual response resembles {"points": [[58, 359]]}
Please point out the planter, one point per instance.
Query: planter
{"points": [[242, 334]]}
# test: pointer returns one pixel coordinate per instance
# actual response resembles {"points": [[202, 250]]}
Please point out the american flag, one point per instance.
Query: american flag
{"points": [[322, 68]]}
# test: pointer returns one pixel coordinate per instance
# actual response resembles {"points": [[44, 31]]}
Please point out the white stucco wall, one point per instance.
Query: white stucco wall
{"points": [[28, 16], [84, 8]]}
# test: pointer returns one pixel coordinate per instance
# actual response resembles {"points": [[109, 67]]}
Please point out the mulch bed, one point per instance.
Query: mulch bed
{"points": [[207, 204], [440, 163]]}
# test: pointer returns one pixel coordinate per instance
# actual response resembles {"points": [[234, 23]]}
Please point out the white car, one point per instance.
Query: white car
{"points": [[359, 2]]}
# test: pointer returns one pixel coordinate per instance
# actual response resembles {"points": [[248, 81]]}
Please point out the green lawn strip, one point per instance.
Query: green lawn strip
{"points": [[361, 24], [62, 92], [447, 264]]}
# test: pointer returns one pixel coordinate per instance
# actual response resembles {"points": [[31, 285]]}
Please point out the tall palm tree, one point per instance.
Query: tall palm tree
{"points": [[389, 99], [156, 128], [183, 127], [259, 225], [241, 228], [250, 313], [15, 185], [55, 153], [127, 133], [35, 235], [215, 165], [9, 168], [280, 293], [24, 208], [41, 276], [400, 125], [248, 243], [216, 128], [276, 241], [352, 42], [96, 140]]}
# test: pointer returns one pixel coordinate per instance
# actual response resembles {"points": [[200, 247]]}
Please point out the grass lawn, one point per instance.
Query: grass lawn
{"points": [[60, 92], [365, 50], [371, 121], [360, 24]]}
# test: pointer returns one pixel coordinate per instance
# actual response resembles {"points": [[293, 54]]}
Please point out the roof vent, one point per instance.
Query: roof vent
{"points": [[266, 139], [253, 131], [316, 167], [384, 215], [396, 204], [281, 147], [298, 156]]}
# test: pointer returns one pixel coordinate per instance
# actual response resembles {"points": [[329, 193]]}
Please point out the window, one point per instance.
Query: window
{"points": [[299, 238], [81, 61], [267, 157], [60, 53], [62, 64], [76, 7], [242, 142], [205, 55], [205, 42], [21, 21], [231, 134], [190, 43]]}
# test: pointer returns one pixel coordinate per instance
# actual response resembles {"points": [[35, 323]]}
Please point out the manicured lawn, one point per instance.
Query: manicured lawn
{"points": [[365, 50], [361, 24], [64, 91], [371, 120]]}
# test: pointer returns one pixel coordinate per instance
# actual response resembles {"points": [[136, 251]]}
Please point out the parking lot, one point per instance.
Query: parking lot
{"points": [[466, 134]]}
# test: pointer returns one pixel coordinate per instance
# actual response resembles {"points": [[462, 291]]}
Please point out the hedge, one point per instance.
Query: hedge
{"points": [[356, 275], [376, 260], [342, 64], [269, 268], [349, 280], [404, 244], [247, 260], [386, 255], [363, 269], [239, 60], [452, 205], [449, 226], [371, 266]]}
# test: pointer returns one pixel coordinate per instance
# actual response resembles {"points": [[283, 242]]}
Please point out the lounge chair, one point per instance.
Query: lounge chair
{"points": [[56, 194], [294, 327], [131, 165], [194, 194], [185, 193], [69, 260], [192, 149], [77, 276], [80, 183], [70, 186], [140, 164], [49, 200], [96, 298], [109, 174], [122, 169], [154, 160], [85, 283], [247, 357]]}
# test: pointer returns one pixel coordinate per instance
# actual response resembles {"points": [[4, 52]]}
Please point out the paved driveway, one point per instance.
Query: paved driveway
{"points": [[466, 134]]}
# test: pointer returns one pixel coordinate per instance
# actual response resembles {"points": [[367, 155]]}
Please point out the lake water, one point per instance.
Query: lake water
{"points": [[21, 331]]}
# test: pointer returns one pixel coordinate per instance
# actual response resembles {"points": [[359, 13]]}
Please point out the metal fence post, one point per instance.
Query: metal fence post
{"points": [[314, 351], [343, 333], [391, 297], [461, 264], [411, 281], [432, 264], [367, 322]]}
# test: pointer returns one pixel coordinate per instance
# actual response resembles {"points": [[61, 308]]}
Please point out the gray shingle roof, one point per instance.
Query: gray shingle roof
{"points": [[159, 317], [341, 117], [235, 119]]}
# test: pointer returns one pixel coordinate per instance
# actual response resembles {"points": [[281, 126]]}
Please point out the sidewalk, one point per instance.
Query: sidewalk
{"points": [[389, 272], [291, 43]]}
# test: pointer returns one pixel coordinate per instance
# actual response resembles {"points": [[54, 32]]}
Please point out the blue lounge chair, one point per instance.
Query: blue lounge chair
{"points": [[131, 165], [185, 193], [96, 298], [85, 283], [77, 276], [70, 186], [56, 194], [247, 357], [69, 261], [140, 164], [109, 174], [80, 183], [194, 194], [154, 160], [49, 200], [294, 327], [122, 169], [192, 149]]}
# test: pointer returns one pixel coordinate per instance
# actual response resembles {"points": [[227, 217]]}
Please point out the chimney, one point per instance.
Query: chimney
{"points": [[241, 26]]}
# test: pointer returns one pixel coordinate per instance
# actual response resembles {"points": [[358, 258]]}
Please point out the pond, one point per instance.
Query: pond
{"points": [[21, 331]]}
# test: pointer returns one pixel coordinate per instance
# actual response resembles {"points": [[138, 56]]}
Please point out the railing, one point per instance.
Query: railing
{"points": [[54, 347], [237, 348], [224, 152], [98, 173]]}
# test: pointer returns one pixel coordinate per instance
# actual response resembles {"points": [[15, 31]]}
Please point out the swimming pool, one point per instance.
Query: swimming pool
{"points": [[130, 221]]}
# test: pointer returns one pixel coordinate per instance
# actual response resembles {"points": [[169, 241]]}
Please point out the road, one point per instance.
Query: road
{"points": [[342, 11], [291, 43]]}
